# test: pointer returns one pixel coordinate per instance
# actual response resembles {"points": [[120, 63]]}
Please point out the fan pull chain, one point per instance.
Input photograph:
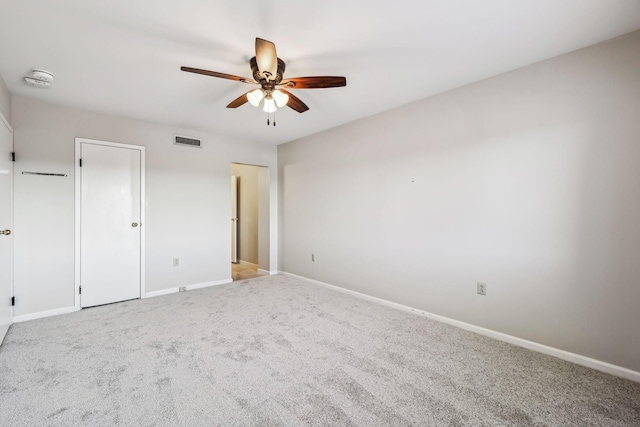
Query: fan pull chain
{"points": [[268, 119]]}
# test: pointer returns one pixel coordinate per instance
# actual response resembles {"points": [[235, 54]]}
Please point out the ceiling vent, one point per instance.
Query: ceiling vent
{"points": [[184, 140]]}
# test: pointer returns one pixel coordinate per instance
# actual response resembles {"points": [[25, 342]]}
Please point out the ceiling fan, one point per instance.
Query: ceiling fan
{"points": [[268, 71]]}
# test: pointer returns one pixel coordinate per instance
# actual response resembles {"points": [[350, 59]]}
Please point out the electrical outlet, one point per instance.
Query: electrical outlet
{"points": [[482, 288], [313, 257], [183, 288], [176, 262]]}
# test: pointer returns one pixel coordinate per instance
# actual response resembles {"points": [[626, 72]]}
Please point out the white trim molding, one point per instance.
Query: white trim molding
{"points": [[598, 365], [161, 292], [267, 272], [187, 287], [209, 284], [41, 314], [6, 122]]}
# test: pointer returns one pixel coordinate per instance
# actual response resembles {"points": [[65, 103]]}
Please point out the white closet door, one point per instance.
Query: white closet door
{"points": [[6, 238], [110, 237]]}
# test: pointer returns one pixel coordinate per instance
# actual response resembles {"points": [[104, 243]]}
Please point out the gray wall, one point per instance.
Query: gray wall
{"points": [[5, 101], [528, 181], [188, 201]]}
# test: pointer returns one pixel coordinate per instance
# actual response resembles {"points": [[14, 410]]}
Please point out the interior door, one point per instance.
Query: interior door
{"points": [[6, 239], [110, 237], [234, 219]]}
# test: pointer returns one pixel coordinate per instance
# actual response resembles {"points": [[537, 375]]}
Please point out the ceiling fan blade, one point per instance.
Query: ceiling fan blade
{"points": [[318, 82], [267, 58], [216, 74], [295, 103], [241, 100]]}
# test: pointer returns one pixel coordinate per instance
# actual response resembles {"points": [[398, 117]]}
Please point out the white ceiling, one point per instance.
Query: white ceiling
{"points": [[123, 57]]}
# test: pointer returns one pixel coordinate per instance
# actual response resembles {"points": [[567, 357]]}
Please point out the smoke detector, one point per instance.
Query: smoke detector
{"points": [[40, 78], [42, 75]]}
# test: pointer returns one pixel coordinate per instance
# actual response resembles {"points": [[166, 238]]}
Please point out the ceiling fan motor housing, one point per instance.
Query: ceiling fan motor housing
{"points": [[259, 77]]}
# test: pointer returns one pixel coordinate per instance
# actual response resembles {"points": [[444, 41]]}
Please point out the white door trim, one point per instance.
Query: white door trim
{"points": [[234, 219], [6, 122], [143, 224]]}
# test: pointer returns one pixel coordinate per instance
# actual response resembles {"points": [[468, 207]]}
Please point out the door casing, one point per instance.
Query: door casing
{"points": [[234, 219]]}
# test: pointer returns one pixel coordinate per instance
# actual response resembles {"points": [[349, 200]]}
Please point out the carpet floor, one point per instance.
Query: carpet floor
{"points": [[273, 351]]}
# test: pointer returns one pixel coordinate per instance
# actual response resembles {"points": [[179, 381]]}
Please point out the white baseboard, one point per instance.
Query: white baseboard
{"points": [[65, 310], [41, 314], [188, 287], [161, 292], [247, 263], [267, 272], [208, 284], [598, 365]]}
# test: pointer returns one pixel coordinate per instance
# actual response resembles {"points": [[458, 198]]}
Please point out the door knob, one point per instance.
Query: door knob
{"points": [[134, 224], [5, 232]]}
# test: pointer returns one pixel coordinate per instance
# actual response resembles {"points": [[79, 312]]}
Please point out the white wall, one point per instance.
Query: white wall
{"points": [[187, 205], [528, 181]]}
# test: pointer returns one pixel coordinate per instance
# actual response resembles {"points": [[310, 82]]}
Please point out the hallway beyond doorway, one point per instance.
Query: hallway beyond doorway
{"points": [[244, 271]]}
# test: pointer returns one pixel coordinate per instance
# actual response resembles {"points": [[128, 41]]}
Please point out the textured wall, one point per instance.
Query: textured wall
{"points": [[528, 181]]}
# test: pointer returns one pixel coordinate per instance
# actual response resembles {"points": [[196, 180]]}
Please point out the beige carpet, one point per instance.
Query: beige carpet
{"points": [[272, 351]]}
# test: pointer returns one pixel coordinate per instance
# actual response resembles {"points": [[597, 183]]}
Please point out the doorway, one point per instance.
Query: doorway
{"points": [[234, 219], [109, 222], [250, 220], [6, 226]]}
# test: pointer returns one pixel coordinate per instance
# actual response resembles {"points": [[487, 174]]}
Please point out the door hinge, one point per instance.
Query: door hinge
{"points": [[13, 156], [13, 301], [80, 162], [80, 290]]}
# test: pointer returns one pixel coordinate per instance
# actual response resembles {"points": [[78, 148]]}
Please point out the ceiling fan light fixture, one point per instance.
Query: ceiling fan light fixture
{"points": [[255, 96], [280, 98], [269, 105], [268, 75]]}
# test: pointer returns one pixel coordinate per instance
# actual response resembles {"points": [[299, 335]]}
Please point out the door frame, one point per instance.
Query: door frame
{"points": [[234, 219], [264, 240], [143, 224]]}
